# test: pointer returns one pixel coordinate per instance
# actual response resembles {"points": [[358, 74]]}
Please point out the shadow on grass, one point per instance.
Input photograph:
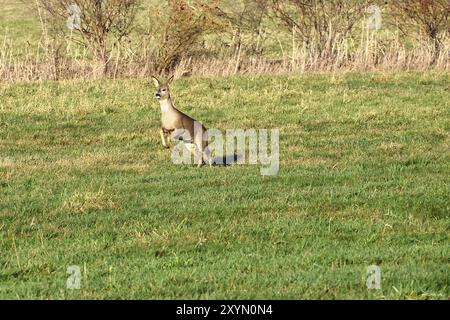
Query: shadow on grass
{"points": [[226, 160]]}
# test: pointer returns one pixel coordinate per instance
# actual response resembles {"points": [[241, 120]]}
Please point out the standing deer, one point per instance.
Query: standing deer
{"points": [[180, 126]]}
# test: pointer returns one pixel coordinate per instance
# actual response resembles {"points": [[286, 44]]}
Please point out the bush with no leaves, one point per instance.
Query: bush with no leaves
{"points": [[101, 23]]}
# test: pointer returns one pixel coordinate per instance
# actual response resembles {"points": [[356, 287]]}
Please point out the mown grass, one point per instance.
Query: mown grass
{"points": [[364, 179]]}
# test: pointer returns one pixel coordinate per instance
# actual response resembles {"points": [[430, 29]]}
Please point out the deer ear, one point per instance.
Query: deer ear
{"points": [[170, 80], [155, 81]]}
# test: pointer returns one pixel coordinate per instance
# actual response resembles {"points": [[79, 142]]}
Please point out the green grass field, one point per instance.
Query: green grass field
{"points": [[364, 179]]}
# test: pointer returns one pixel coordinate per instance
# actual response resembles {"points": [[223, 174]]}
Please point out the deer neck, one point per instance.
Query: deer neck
{"points": [[166, 105]]}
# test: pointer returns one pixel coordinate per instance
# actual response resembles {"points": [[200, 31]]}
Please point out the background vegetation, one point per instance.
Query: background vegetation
{"points": [[135, 38], [364, 156]]}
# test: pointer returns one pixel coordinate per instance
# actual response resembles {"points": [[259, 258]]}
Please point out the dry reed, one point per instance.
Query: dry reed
{"points": [[50, 61]]}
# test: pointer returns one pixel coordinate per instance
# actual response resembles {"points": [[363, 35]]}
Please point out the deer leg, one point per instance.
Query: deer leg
{"points": [[190, 147], [200, 158], [163, 139], [197, 154], [207, 156]]}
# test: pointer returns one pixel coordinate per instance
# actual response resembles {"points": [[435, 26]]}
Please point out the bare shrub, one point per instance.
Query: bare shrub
{"points": [[222, 37], [247, 28], [429, 17], [182, 30], [321, 25], [102, 23]]}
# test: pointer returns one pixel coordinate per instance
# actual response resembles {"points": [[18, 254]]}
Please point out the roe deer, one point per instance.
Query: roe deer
{"points": [[181, 126]]}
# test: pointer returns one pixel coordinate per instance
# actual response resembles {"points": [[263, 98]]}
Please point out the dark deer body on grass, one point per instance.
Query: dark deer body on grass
{"points": [[180, 126]]}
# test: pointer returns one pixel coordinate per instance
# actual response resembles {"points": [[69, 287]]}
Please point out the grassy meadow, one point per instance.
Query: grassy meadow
{"points": [[364, 179]]}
